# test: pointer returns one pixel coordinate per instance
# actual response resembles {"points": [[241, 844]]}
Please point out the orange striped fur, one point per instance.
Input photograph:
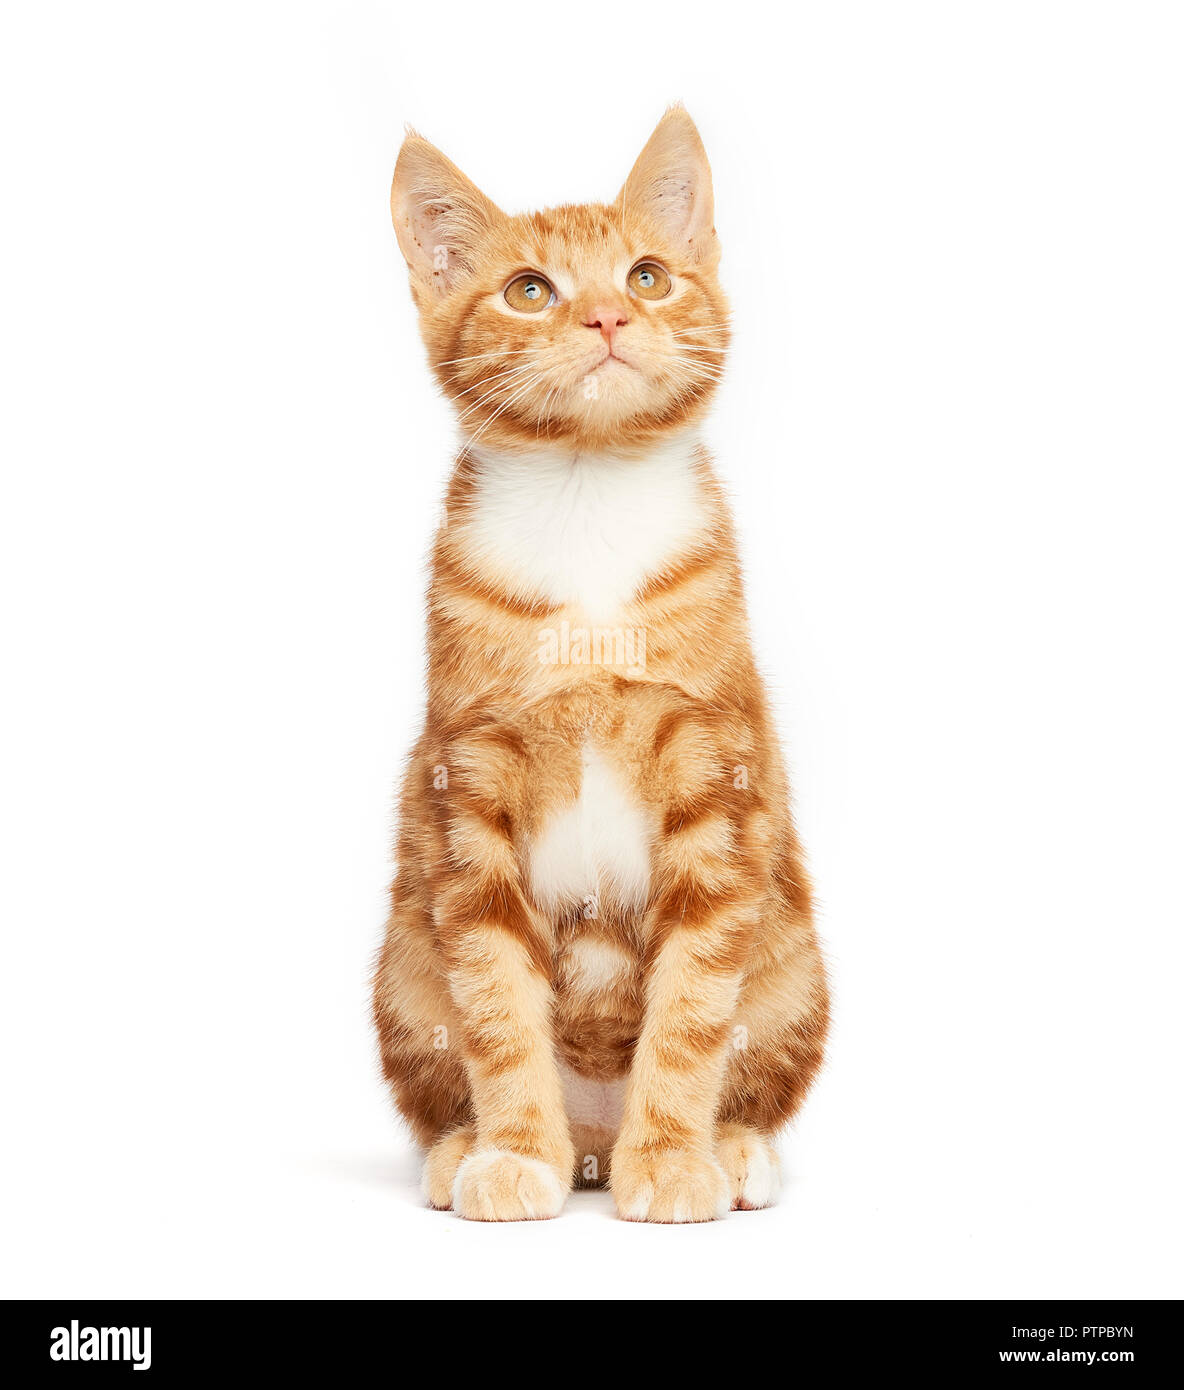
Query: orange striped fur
{"points": [[600, 963]]}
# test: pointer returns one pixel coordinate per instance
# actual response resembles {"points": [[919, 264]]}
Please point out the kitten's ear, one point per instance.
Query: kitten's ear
{"points": [[439, 216], [671, 184]]}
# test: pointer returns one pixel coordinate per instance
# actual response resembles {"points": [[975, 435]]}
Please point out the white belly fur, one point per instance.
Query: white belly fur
{"points": [[599, 1104], [594, 849]]}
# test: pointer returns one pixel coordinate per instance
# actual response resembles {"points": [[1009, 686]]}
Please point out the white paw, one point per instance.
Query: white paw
{"points": [[497, 1185], [752, 1167], [669, 1185]]}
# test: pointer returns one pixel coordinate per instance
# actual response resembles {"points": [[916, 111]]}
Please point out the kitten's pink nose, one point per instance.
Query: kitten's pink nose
{"points": [[608, 318]]}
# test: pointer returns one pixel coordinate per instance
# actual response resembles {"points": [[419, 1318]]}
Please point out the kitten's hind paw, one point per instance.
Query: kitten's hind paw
{"points": [[497, 1185], [439, 1168], [752, 1167]]}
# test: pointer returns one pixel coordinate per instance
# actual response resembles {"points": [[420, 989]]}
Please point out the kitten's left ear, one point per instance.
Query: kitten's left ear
{"points": [[671, 184]]}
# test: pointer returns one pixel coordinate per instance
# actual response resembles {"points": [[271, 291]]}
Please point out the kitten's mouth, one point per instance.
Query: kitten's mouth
{"points": [[610, 357]]}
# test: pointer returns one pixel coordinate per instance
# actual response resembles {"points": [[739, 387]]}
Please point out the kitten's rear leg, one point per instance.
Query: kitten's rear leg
{"points": [[439, 1169], [751, 1166]]}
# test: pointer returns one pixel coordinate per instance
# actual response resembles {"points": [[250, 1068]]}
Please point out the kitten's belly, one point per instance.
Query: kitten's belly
{"points": [[597, 1104], [589, 869], [596, 851]]}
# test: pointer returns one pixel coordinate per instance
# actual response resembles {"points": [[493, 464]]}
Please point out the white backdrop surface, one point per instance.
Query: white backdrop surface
{"points": [[952, 431]]}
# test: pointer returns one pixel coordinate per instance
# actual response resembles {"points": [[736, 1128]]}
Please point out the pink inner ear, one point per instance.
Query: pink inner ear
{"points": [[437, 244], [672, 201], [439, 214], [671, 181]]}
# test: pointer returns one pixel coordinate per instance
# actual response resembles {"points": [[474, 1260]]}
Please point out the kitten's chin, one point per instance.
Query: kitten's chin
{"points": [[656, 413], [613, 405], [603, 425]]}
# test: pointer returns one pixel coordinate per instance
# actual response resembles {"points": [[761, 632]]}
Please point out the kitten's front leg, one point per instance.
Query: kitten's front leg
{"points": [[663, 1166], [498, 954], [712, 880]]}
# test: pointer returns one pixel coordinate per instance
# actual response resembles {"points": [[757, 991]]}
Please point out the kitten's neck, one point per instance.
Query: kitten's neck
{"points": [[585, 529]]}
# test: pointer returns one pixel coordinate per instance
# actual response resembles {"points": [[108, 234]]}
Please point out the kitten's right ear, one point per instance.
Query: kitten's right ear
{"points": [[439, 216]]}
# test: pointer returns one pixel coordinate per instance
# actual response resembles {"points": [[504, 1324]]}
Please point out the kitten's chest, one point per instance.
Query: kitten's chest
{"points": [[586, 530]]}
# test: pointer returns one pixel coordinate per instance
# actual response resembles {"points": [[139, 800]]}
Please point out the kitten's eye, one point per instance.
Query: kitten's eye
{"points": [[649, 281], [529, 293]]}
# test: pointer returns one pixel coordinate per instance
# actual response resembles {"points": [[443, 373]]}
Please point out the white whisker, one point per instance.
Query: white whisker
{"points": [[482, 356], [497, 376], [511, 381], [501, 410]]}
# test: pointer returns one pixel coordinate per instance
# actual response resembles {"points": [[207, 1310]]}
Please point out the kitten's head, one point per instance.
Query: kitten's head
{"points": [[595, 326]]}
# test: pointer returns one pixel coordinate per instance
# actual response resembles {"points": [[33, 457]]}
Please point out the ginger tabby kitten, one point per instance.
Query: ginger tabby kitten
{"points": [[600, 963]]}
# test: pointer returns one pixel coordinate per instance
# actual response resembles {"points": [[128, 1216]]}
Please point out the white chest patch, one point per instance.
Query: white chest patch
{"points": [[588, 529], [596, 848]]}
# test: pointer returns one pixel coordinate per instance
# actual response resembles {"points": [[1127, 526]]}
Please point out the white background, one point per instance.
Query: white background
{"points": [[952, 430]]}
